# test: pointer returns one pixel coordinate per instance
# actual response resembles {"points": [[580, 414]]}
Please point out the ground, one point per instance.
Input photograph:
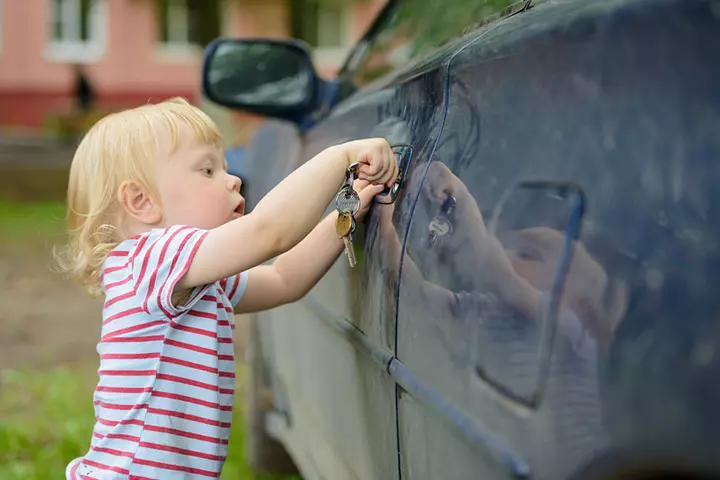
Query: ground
{"points": [[33, 334]]}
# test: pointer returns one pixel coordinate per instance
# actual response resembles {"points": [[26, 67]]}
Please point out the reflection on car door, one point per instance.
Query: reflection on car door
{"points": [[484, 319]]}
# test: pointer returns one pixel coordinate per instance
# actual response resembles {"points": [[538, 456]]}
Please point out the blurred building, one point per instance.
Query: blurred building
{"points": [[135, 51]]}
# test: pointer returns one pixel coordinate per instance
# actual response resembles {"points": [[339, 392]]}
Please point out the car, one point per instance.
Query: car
{"points": [[537, 296], [235, 157]]}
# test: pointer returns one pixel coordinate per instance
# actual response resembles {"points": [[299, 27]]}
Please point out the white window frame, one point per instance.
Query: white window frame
{"points": [[71, 48], [333, 56], [178, 47]]}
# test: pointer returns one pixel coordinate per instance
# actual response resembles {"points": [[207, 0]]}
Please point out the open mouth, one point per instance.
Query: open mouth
{"points": [[240, 209]]}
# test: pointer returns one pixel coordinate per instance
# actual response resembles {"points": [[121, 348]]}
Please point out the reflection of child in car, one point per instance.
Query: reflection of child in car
{"points": [[496, 327], [522, 263]]}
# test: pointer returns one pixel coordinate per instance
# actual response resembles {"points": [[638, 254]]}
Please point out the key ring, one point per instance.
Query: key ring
{"points": [[347, 199]]}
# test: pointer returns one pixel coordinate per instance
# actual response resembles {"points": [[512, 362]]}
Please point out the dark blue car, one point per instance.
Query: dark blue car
{"points": [[539, 297]]}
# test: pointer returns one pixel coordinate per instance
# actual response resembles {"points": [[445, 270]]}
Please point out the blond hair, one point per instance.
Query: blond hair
{"points": [[120, 147]]}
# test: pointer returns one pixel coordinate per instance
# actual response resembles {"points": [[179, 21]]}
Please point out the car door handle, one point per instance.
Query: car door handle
{"points": [[403, 155]]}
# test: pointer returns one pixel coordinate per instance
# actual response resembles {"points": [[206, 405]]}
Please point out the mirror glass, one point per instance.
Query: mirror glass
{"points": [[259, 74]]}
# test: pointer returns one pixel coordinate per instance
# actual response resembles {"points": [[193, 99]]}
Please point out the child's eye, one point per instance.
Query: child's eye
{"points": [[208, 171]]}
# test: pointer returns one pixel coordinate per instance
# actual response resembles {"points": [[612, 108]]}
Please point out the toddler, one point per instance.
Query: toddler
{"points": [[157, 225]]}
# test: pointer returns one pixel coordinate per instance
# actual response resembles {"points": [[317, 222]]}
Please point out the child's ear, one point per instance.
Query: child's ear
{"points": [[138, 203]]}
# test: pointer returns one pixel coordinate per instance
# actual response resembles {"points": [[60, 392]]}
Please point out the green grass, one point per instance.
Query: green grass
{"points": [[34, 222], [46, 420]]}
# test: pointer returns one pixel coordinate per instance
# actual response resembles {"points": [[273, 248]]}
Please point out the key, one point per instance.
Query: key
{"points": [[349, 248], [345, 227], [343, 224], [347, 200]]}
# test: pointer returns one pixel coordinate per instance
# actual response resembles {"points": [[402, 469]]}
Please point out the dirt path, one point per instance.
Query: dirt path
{"points": [[44, 319]]}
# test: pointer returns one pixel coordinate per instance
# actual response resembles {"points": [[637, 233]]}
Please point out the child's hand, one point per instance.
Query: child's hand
{"points": [[376, 161], [366, 192]]}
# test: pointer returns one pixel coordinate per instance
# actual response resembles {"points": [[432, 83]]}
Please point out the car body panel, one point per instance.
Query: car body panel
{"points": [[618, 98], [320, 375]]}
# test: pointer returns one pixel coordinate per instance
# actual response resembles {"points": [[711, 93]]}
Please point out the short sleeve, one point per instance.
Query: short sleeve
{"points": [[234, 287], [159, 260]]}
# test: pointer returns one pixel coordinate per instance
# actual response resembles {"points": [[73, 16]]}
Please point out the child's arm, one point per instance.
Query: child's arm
{"points": [[294, 273], [288, 213]]}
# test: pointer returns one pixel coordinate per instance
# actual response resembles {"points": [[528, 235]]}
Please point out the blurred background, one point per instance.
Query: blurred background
{"points": [[63, 65]]}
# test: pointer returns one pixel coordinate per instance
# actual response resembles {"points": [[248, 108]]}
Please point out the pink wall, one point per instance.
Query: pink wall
{"points": [[130, 63], [132, 69]]}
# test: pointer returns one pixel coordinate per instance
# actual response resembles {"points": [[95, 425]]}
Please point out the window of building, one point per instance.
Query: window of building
{"points": [[77, 30], [185, 26], [322, 25]]}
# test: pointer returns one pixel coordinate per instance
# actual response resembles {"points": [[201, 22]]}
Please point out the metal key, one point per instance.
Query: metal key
{"points": [[345, 227], [347, 200], [349, 247], [343, 224]]}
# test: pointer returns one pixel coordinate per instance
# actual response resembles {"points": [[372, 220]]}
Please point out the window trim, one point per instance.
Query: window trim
{"points": [[333, 56], [79, 51], [177, 51]]}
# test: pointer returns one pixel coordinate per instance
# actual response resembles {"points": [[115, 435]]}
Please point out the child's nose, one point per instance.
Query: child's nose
{"points": [[234, 183]]}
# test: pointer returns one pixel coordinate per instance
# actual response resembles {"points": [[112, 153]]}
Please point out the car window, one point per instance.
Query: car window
{"points": [[416, 28]]}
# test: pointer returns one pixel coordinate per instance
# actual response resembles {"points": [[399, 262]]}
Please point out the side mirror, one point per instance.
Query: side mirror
{"points": [[275, 78]]}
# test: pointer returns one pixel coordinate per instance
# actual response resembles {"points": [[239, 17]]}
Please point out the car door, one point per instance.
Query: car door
{"points": [[506, 306], [513, 384], [334, 347]]}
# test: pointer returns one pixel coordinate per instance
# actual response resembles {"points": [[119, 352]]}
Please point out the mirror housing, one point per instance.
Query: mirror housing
{"points": [[273, 78]]}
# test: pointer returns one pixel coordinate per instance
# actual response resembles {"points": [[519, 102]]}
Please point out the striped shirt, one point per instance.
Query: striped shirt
{"points": [[163, 403]]}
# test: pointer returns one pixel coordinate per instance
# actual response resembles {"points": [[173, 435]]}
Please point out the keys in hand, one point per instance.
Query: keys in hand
{"points": [[347, 199], [347, 202]]}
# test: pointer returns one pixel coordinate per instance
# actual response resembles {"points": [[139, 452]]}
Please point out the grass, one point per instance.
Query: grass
{"points": [[46, 420]]}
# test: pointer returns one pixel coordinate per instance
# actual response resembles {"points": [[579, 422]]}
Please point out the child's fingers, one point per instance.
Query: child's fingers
{"points": [[360, 183], [368, 193], [395, 170], [369, 172], [371, 165], [392, 169], [379, 171]]}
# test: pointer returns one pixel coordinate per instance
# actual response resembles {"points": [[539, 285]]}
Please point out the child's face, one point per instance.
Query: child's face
{"points": [[535, 254], [195, 188]]}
